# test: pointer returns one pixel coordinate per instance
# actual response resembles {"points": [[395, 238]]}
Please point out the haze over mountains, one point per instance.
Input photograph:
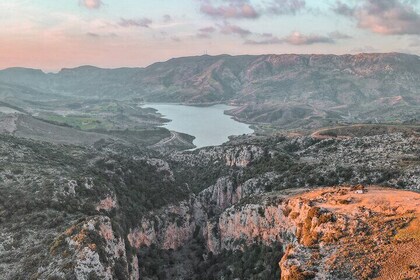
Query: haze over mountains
{"points": [[279, 89]]}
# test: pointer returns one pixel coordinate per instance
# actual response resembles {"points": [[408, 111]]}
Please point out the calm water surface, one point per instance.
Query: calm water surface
{"points": [[209, 125]]}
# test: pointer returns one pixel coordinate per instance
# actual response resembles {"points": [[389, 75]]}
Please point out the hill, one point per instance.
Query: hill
{"points": [[291, 90]]}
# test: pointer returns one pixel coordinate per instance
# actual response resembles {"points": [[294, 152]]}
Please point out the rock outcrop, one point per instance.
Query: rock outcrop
{"points": [[354, 234], [172, 226], [232, 156], [319, 229], [90, 249], [75, 212]]}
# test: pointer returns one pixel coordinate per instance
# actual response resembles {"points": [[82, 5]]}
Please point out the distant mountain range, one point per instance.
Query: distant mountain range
{"points": [[280, 89]]}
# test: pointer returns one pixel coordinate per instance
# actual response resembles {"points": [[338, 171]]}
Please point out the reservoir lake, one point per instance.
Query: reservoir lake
{"points": [[209, 125]]}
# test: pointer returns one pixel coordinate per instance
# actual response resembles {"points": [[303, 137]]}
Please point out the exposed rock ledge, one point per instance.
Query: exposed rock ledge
{"points": [[320, 229], [354, 233]]}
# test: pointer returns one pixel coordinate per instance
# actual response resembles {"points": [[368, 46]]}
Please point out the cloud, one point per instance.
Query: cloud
{"points": [[92, 35], [233, 9], [266, 35], [97, 35], [209, 29], [365, 49], [204, 33], [343, 9], [91, 4], [167, 18], [296, 38], [246, 9], [282, 7], [228, 29], [143, 22], [339, 36], [388, 17]]}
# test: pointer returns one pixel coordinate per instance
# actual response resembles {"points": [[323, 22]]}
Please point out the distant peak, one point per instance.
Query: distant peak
{"points": [[22, 70], [82, 67]]}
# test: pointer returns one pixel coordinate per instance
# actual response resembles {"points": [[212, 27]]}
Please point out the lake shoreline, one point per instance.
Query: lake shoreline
{"points": [[210, 125]]}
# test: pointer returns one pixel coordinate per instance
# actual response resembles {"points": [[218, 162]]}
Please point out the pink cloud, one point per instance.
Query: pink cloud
{"points": [[388, 17], [236, 9], [92, 4], [227, 28], [296, 38], [205, 32], [245, 9]]}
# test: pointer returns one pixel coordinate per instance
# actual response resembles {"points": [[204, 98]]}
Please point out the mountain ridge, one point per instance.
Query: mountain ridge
{"points": [[206, 55], [271, 88], [187, 58]]}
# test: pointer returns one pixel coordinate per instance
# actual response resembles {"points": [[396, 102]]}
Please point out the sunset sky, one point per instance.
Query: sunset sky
{"points": [[52, 34]]}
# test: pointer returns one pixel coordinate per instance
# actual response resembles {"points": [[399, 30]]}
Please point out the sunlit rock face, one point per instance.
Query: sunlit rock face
{"points": [[319, 229]]}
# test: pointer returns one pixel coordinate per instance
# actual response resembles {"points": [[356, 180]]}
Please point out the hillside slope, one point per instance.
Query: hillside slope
{"points": [[279, 89], [112, 210]]}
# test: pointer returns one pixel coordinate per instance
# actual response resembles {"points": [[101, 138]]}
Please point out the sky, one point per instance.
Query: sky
{"points": [[55, 34]]}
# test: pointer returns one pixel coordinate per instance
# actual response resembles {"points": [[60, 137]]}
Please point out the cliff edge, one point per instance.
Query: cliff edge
{"points": [[354, 233]]}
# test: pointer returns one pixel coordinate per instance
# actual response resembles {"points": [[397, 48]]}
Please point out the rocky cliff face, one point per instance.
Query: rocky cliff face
{"points": [[231, 156], [175, 225], [318, 229], [355, 233], [77, 212], [242, 156], [90, 248]]}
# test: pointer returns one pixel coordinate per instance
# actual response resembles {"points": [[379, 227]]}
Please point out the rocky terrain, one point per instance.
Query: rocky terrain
{"points": [[215, 217], [330, 233], [91, 187], [113, 211], [356, 232]]}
